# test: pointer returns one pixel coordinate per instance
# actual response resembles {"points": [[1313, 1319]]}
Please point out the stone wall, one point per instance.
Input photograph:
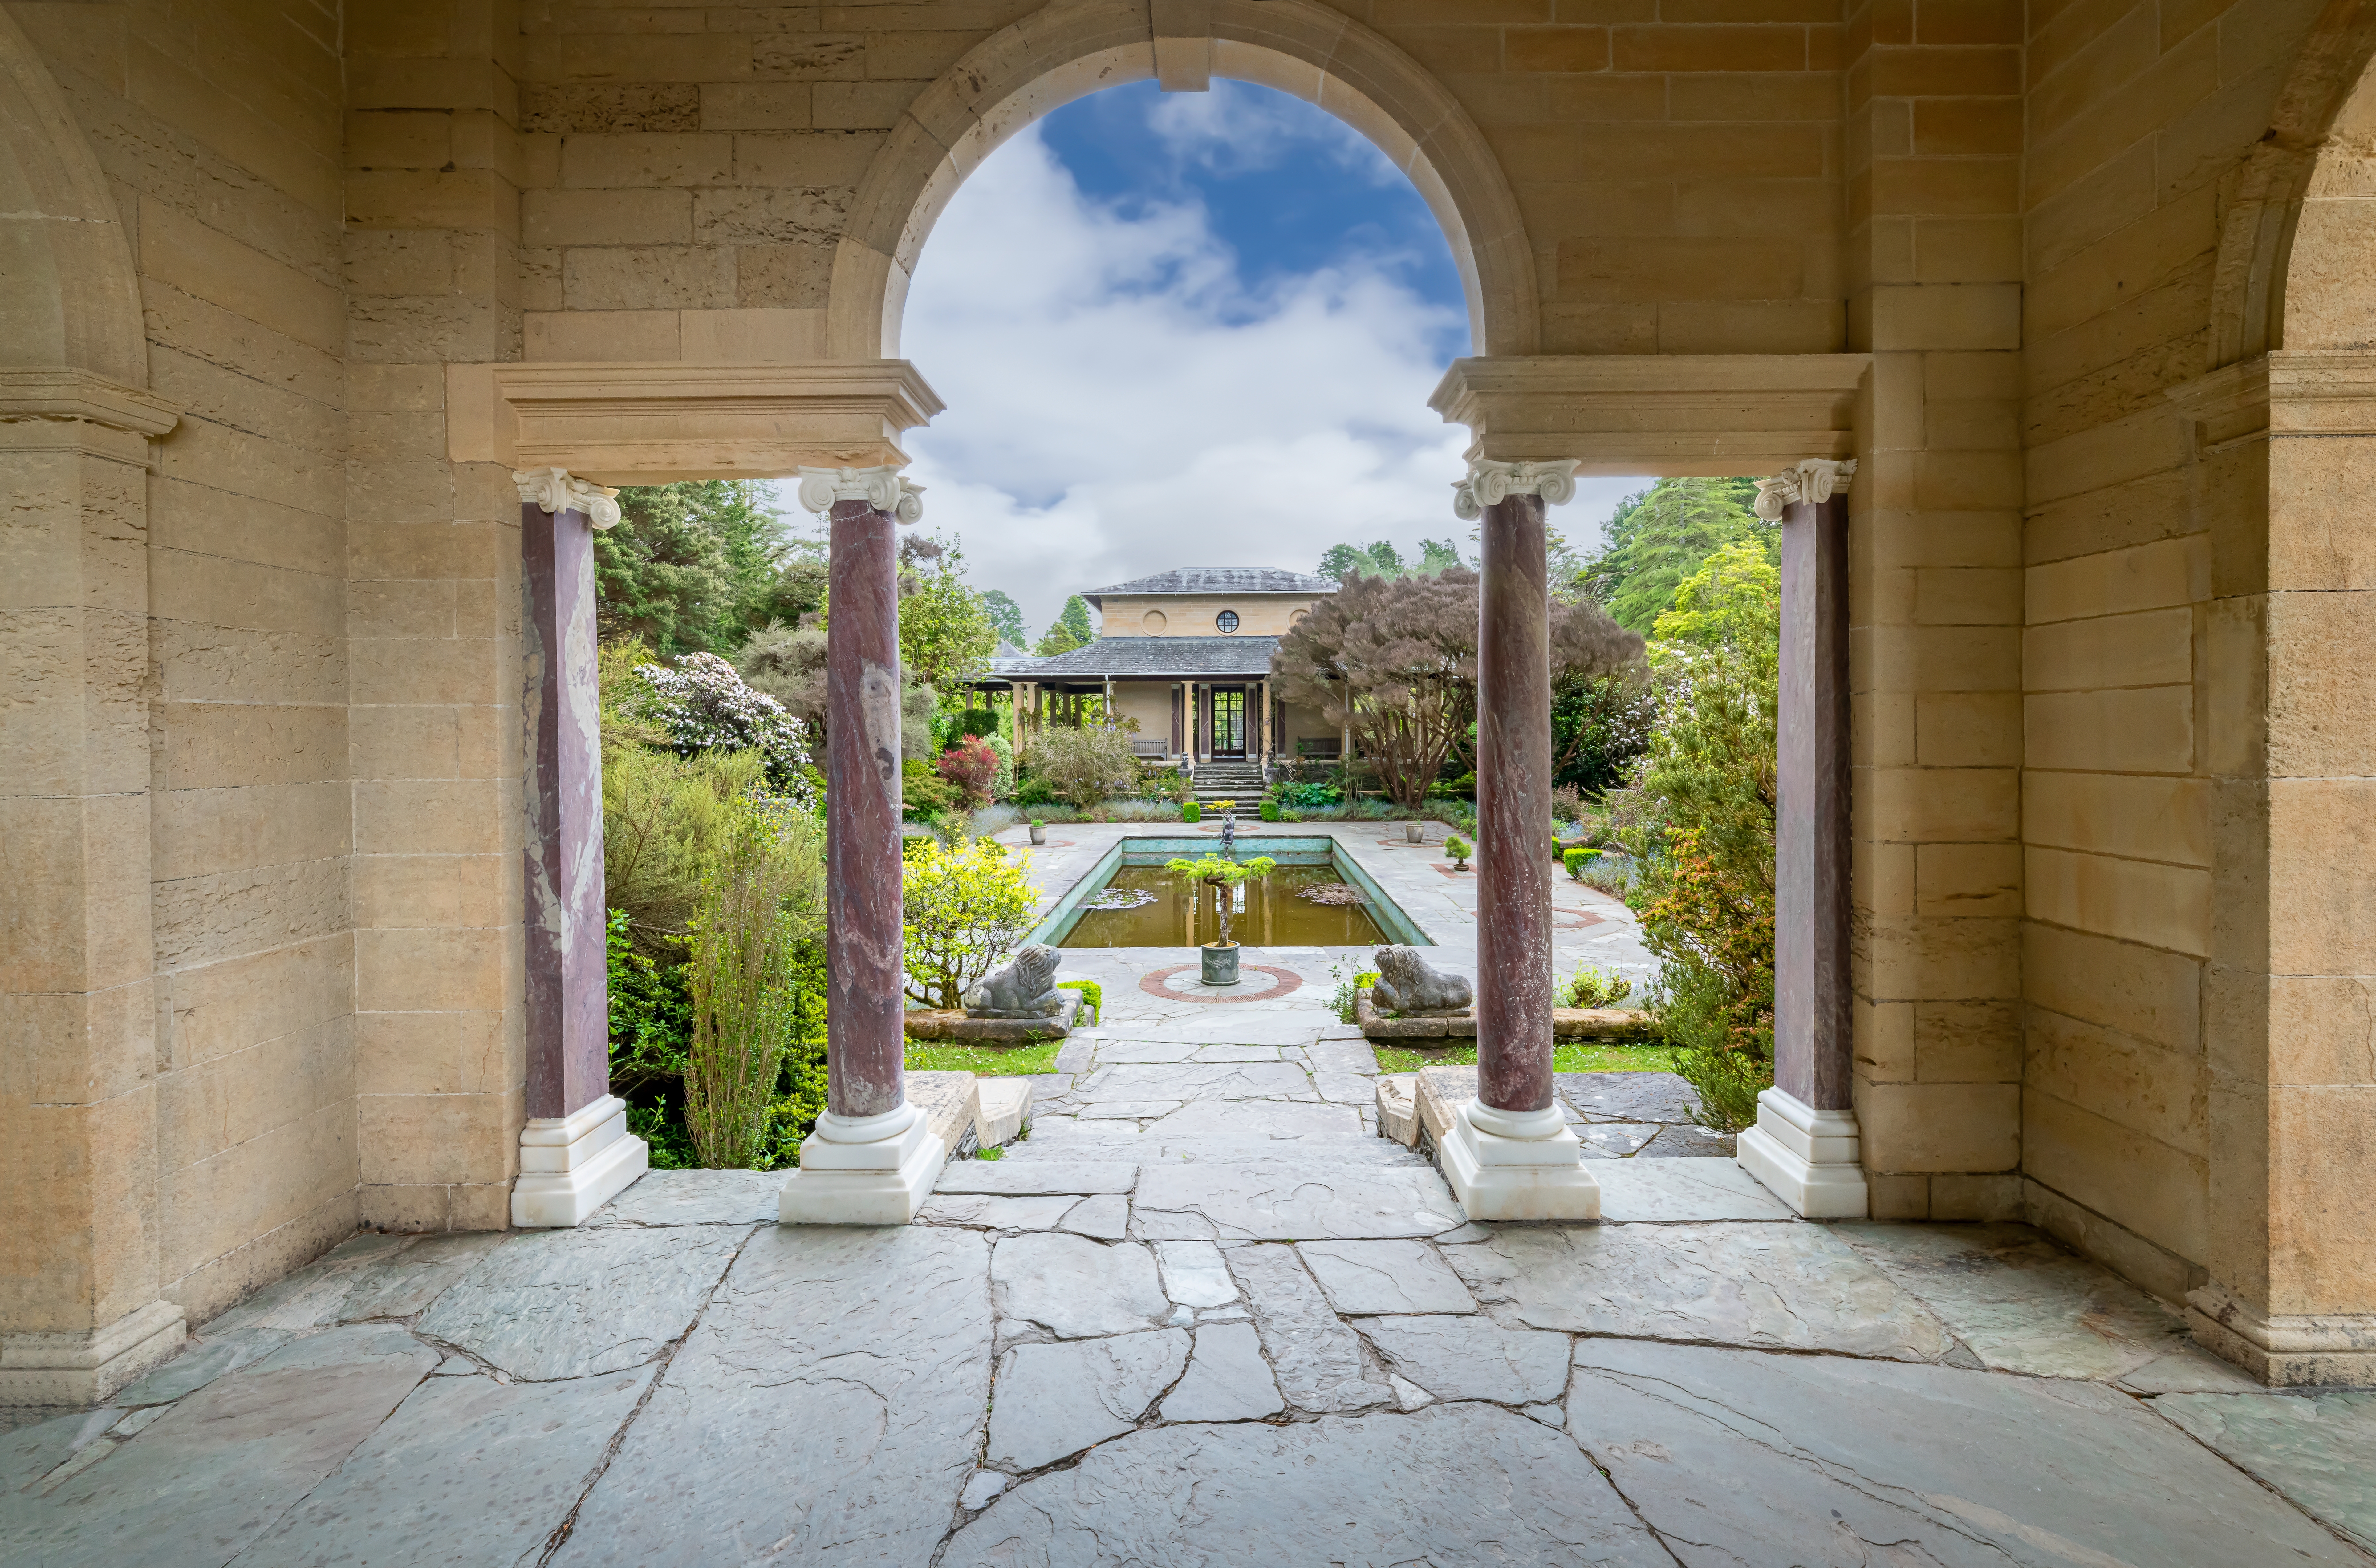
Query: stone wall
{"points": [[1193, 615]]}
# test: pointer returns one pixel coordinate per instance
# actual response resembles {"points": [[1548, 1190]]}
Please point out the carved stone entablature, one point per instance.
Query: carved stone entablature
{"points": [[1813, 480], [882, 489], [2311, 392], [1490, 483], [557, 491], [63, 407]]}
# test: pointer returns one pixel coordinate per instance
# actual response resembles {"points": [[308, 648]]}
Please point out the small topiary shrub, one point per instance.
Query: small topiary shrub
{"points": [[1270, 811], [1191, 812], [1577, 860], [1457, 847], [1093, 997]]}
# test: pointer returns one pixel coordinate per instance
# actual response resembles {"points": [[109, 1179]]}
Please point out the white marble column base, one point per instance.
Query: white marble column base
{"points": [[88, 1369], [1807, 1158], [1517, 1165], [864, 1170], [571, 1166]]}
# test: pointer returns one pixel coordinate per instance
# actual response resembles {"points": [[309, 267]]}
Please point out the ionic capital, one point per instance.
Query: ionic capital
{"points": [[1813, 480], [1490, 483], [557, 491], [882, 489]]}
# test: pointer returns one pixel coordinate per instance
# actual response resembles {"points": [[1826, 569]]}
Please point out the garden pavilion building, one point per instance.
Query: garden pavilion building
{"points": [[1187, 654]]}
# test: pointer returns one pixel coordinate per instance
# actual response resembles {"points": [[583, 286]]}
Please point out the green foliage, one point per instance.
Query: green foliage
{"points": [[1734, 600], [1577, 860], [1093, 997], [1191, 810], [651, 1027], [1589, 987], [1270, 811], [983, 1060], [1600, 724], [1661, 536], [946, 632], [1006, 617], [1567, 1056], [697, 566], [1226, 875], [1456, 847], [1085, 765], [761, 901], [971, 768], [1341, 1001], [923, 792], [1070, 629], [1307, 797], [1381, 559], [964, 910]]}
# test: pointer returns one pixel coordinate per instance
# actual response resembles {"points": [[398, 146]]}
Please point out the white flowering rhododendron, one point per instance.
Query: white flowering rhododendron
{"points": [[704, 705]]}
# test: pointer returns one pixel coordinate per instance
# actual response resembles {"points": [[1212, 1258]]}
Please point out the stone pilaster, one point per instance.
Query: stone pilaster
{"points": [[1509, 1153], [872, 1160], [1805, 1145], [575, 1152]]}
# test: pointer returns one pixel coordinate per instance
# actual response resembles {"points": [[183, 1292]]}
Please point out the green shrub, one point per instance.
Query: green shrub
{"points": [[1342, 1000], [1589, 987], [760, 902], [1093, 997], [1456, 847], [1577, 860], [1270, 811], [1307, 797], [1030, 789], [1093, 762], [963, 910], [923, 792], [1191, 812]]}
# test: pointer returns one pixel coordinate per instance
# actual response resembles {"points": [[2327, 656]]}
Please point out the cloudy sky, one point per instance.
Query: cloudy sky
{"points": [[1187, 330]]}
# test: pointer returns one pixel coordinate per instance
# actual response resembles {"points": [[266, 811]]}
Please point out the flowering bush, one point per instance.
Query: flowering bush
{"points": [[972, 768], [701, 705], [963, 910]]}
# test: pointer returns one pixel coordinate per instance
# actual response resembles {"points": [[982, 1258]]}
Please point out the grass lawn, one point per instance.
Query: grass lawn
{"points": [[989, 1061], [1575, 1056]]}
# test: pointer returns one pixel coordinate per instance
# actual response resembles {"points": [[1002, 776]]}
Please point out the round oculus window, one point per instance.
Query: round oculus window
{"points": [[1227, 619], [1154, 621]]}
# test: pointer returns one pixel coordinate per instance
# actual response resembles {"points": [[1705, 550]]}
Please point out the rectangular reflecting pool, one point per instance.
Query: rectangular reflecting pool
{"points": [[1128, 901]]}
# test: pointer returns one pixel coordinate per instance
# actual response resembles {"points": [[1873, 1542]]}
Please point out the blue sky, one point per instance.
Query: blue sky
{"points": [[1187, 330]]}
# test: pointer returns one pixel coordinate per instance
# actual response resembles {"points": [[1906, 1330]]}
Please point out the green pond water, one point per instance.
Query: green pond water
{"points": [[1270, 916]]}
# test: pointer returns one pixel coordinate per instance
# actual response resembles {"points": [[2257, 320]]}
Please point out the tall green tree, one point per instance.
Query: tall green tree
{"points": [[946, 632], [697, 566], [1005, 614], [1661, 536], [1070, 630], [1381, 559]]}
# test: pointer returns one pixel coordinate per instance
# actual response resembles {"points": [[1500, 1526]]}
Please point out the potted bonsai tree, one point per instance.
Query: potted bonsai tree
{"points": [[1457, 847], [1220, 958]]}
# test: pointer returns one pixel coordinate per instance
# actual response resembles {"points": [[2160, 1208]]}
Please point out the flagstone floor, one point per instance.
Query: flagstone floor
{"points": [[1203, 1315]]}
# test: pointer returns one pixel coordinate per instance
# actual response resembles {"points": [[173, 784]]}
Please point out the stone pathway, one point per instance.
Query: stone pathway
{"points": [[1202, 1315]]}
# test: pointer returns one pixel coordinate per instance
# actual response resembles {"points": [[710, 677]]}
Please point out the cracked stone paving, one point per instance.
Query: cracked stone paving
{"points": [[1203, 1315]]}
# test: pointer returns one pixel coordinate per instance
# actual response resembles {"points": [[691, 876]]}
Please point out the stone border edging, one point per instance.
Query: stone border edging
{"points": [[1288, 983]]}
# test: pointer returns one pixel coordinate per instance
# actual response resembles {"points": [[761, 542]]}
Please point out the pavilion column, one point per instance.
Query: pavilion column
{"points": [[1805, 1146], [872, 1160], [576, 1152], [1509, 1153]]}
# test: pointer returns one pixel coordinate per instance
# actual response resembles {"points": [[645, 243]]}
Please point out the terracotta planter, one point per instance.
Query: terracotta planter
{"points": [[1221, 963]]}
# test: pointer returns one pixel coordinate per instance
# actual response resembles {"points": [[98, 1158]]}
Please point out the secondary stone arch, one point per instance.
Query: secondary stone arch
{"points": [[1067, 52], [72, 298]]}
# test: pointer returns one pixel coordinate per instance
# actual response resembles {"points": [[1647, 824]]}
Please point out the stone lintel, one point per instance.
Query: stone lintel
{"points": [[649, 422], [1710, 414]]}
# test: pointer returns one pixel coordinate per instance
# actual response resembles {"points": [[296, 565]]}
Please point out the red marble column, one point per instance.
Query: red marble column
{"points": [[1514, 802], [567, 991], [865, 1027], [1812, 998]]}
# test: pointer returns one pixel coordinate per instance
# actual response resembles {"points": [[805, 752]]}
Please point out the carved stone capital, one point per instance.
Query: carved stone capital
{"points": [[1813, 480], [557, 491], [882, 489], [1490, 483]]}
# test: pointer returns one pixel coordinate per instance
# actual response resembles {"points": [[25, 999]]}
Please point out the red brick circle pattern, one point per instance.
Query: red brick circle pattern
{"points": [[1288, 983]]}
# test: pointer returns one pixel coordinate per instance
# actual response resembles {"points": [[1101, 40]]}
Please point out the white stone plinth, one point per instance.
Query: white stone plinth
{"points": [[572, 1165], [864, 1170], [1005, 1110], [1808, 1158], [1517, 1165], [87, 1368]]}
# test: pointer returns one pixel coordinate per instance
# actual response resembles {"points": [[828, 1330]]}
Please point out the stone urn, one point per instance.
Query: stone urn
{"points": [[1221, 963], [1039, 833], [1413, 831]]}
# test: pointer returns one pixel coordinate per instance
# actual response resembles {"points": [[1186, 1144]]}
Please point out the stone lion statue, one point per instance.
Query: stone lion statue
{"points": [[1407, 985], [1025, 987]]}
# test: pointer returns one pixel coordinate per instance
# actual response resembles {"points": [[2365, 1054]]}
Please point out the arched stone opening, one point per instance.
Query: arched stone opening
{"points": [[1068, 52]]}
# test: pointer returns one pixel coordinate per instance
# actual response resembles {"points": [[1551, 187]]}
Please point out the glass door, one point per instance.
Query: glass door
{"points": [[1229, 722]]}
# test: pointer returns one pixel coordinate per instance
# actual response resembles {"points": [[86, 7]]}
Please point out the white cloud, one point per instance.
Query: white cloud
{"points": [[1121, 402], [1234, 128]]}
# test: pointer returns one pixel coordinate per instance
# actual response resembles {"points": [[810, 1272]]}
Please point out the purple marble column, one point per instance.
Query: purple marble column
{"points": [[568, 999], [1514, 802], [1813, 999], [865, 1027]]}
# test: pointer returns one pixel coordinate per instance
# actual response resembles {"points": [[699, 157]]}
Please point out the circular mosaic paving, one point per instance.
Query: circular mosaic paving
{"points": [[1257, 982]]}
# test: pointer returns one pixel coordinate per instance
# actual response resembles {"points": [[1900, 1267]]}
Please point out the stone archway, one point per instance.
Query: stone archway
{"points": [[1068, 52]]}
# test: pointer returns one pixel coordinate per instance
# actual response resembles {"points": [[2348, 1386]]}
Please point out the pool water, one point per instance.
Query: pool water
{"points": [[1270, 915]]}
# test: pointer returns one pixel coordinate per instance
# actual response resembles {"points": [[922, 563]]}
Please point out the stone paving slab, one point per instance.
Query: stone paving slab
{"points": [[466, 1470], [1820, 1459], [827, 1410], [1686, 1191], [1449, 1485], [1294, 1203], [1369, 1278], [1473, 1358], [698, 1197], [1208, 1082], [1771, 1287], [2020, 1301], [1318, 1360], [2316, 1450], [1049, 1401], [1015, 1176], [1074, 1288], [579, 1303], [207, 1479], [1662, 1098], [991, 1213], [1227, 1379]]}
